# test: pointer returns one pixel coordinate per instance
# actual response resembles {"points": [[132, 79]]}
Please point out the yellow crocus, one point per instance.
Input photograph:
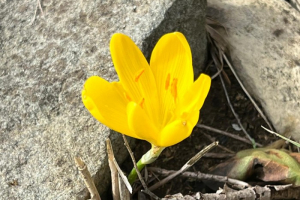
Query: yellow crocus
{"points": [[157, 102]]}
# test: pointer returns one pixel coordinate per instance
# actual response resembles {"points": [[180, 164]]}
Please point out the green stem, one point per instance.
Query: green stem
{"points": [[133, 174], [147, 158]]}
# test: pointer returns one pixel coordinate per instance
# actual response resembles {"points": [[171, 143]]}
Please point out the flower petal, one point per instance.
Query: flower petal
{"points": [[134, 73], [177, 131], [171, 63], [140, 123], [106, 103], [195, 96]]}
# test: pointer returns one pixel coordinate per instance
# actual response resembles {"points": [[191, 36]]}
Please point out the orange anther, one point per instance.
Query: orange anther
{"points": [[127, 96], [139, 74], [174, 88], [167, 82], [142, 101]]}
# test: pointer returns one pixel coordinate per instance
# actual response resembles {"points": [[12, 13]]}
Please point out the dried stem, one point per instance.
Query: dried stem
{"points": [[282, 137], [226, 133], [87, 178], [121, 188], [247, 93], [235, 114], [147, 191], [190, 163], [219, 146], [201, 176]]}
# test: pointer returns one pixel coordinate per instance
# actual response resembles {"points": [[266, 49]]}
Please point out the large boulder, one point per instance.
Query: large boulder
{"points": [[44, 63], [264, 38]]}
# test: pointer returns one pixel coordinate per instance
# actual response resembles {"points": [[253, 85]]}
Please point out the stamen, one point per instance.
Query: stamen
{"points": [[167, 82], [142, 102], [174, 88], [139, 74], [127, 96]]}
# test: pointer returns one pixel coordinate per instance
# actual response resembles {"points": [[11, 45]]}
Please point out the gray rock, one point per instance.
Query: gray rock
{"points": [[295, 4], [44, 64], [264, 38]]}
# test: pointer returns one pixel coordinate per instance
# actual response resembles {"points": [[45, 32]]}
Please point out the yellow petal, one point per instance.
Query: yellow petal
{"points": [[134, 73], [106, 103], [196, 94], [177, 131], [171, 63], [140, 123]]}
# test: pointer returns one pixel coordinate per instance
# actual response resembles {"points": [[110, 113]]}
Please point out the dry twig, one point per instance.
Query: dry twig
{"points": [[190, 163], [235, 114], [202, 176], [247, 93], [87, 178], [117, 176], [146, 190], [218, 50], [219, 146], [226, 133], [282, 137], [113, 172]]}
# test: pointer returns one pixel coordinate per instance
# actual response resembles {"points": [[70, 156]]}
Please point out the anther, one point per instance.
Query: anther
{"points": [[139, 74], [142, 102], [127, 96], [167, 82], [174, 88]]}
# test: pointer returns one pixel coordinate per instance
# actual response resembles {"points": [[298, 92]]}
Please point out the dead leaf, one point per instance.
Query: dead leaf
{"points": [[265, 164]]}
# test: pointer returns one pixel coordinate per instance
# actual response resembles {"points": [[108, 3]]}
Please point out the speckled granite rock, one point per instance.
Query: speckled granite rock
{"points": [[264, 37], [44, 64]]}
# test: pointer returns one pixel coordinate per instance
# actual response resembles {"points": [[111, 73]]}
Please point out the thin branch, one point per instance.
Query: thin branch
{"points": [[235, 114], [247, 93], [113, 173], [116, 175], [87, 178], [226, 133], [219, 146], [216, 61], [282, 137], [201, 176], [121, 174], [146, 190], [187, 165]]}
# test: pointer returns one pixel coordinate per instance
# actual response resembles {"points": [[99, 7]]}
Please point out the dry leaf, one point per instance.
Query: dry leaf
{"points": [[265, 164]]}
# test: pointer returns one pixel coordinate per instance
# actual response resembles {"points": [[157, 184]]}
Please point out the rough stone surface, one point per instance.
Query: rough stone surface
{"points": [[264, 38], [295, 4], [44, 64]]}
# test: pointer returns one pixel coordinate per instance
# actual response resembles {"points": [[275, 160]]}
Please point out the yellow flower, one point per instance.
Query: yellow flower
{"points": [[159, 102]]}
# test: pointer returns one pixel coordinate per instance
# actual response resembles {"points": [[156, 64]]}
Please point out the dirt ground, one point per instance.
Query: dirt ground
{"points": [[215, 113]]}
